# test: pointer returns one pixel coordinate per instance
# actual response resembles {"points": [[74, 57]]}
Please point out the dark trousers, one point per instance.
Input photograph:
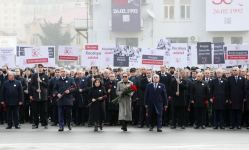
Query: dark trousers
{"points": [[154, 118], [167, 115], [54, 117], [219, 118], [235, 116], [142, 115], [81, 115], [40, 112], [13, 115], [64, 113], [3, 114], [135, 113], [178, 115], [113, 117], [200, 116]]}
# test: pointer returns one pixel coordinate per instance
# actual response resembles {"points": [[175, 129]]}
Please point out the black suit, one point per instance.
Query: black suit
{"points": [[165, 78], [12, 94], [179, 103], [200, 96], [219, 94], [236, 90], [65, 103], [3, 78], [155, 99], [39, 104]]}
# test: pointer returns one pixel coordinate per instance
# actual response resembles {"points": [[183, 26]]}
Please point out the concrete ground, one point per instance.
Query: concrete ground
{"points": [[113, 139]]}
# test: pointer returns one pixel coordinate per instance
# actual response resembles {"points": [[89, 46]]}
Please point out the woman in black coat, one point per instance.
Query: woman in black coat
{"points": [[98, 96]]}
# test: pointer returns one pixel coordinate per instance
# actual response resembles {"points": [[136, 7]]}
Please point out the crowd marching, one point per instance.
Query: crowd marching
{"points": [[145, 98]]}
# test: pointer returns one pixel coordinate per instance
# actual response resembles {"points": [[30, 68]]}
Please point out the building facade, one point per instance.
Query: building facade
{"points": [[181, 21]]}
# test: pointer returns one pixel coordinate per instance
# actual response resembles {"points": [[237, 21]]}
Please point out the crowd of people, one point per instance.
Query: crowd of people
{"points": [[182, 97]]}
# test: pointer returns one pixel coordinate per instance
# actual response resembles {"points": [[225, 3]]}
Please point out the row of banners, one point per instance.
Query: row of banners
{"points": [[175, 54]]}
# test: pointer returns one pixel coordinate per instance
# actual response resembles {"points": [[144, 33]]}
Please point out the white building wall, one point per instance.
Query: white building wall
{"points": [[177, 28]]}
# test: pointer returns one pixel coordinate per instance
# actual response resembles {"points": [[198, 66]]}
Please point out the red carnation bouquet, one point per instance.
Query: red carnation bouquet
{"points": [[126, 92]]}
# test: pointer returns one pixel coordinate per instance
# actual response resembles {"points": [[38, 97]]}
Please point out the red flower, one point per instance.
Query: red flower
{"points": [[206, 103], [134, 88]]}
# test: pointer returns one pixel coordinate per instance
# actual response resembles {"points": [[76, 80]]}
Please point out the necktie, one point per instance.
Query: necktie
{"points": [[236, 78], [155, 86]]}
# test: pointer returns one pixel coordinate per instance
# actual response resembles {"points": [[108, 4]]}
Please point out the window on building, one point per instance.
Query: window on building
{"points": [[218, 39], [127, 41], [185, 12], [169, 9], [178, 40], [236, 40], [185, 9]]}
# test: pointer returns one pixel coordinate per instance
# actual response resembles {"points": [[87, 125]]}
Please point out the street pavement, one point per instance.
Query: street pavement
{"points": [[113, 139]]}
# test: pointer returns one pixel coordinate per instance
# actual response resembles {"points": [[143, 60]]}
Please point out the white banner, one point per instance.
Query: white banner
{"points": [[7, 56], [107, 56], [36, 55], [68, 53], [178, 55], [153, 58], [21, 56], [227, 15], [91, 56], [236, 54]]}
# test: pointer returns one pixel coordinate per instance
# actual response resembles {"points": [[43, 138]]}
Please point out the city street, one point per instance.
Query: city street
{"points": [[113, 139]]}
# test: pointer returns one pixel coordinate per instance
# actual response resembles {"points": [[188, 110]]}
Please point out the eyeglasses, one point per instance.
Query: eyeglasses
{"points": [[125, 76]]}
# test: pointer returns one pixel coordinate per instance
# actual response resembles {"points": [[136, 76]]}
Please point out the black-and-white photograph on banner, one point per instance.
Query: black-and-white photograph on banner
{"points": [[204, 53], [124, 52], [126, 15], [219, 55], [164, 44]]}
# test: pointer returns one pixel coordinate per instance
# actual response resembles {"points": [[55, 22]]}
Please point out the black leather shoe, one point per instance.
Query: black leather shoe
{"points": [[151, 129], [231, 128], [216, 127], [221, 127], [159, 130], [183, 127], [173, 127], [203, 127], [69, 127], [196, 127], [238, 127], [17, 127], [9, 127], [61, 129]]}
